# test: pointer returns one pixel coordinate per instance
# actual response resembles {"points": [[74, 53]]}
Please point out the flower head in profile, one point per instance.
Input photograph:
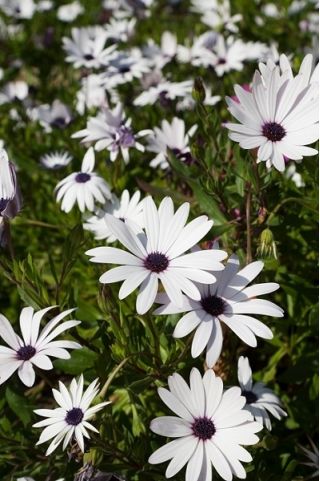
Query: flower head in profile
{"points": [[70, 11], [35, 347], [157, 255], [84, 188], [70, 420], [227, 301], [279, 116], [260, 400], [124, 67], [172, 136], [86, 47], [164, 92], [57, 115], [112, 130], [126, 209], [210, 425], [17, 90], [10, 198], [55, 160]]}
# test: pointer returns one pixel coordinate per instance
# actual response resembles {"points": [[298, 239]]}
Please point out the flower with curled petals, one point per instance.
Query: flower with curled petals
{"points": [[34, 348]]}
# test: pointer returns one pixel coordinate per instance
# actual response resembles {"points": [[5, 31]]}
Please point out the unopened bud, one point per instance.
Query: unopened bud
{"points": [[262, 214], [198, 91], [267, 247]]}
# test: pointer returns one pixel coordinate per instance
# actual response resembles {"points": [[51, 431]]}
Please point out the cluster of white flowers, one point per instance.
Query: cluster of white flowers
{"points": [[162, 256]]}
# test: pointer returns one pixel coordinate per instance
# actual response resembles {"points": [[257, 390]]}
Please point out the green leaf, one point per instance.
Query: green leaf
{"points": [[81, 360], [19, 405]]}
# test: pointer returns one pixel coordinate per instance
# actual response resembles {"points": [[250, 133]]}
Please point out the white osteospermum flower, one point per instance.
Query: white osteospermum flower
{"points": [[211, 427], [70, 419], [120, 29], [228, 300], [165, 92], [112, 130], [17, 90], [23, 9], [259, 399], [217, 14], [159, 56], [171, 136], [86, 47], [84, 188], [55, 160], [70, 11], [124, 67], [156, 255], [125, 209], [92, 94], [279, 116], [57, 115], [34, 348]]}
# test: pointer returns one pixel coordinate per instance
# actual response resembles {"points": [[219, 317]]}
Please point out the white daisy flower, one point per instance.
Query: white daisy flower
{"points": [[120, 30], [171, 136], [159, 56], [312, 458], [55, 160], [23, 9], [17, 90], [84, 188], [34, 348], [125, 209], [279, 116], [112, 130], [70, 11], [198, 50], [259, 399], [156, 255], [226, 301], [211, 426], [92, 94], [86, 47], [125, 67], [69, 420], [10, 197], [164, 92], [57, 115], [217, 14]]}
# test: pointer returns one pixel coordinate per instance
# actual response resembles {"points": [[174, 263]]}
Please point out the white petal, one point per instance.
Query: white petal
{"points": [[195, 463], [219, 462], [147, 294], [42, 361], [244, 373], [170, 426], [182, 455], [187, 323], [26, 373], [214, 346], [174, 404], [202, 335], [8, 334]]}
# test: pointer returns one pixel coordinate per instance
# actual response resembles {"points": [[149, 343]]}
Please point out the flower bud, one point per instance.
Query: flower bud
{"points": [[198, 91], [267, 246]]}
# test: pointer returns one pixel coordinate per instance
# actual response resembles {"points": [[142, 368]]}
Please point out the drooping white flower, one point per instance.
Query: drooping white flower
{"points": [[125, 209], [171, 136], [84, 188], [70, 420], [34, 348], [86, 48], [259, 399], [55, 160], [211, 426], [70, 11], [120, 30], [279, 116], [159, 56], [164, 92], [157, 255], [111, 130], [226, 301], [10, 197]]}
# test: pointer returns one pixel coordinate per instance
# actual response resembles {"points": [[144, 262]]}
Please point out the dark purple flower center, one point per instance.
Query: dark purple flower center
{"points": [[124, 68], [221, 61], [59, 122], [203, 428], [83, 177], [126, 137], [156, 262], [273, 131], [185, 157], [74, 416], [250, 396], [25, 353], [88, 56], [213, 305], [3, 204]]}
